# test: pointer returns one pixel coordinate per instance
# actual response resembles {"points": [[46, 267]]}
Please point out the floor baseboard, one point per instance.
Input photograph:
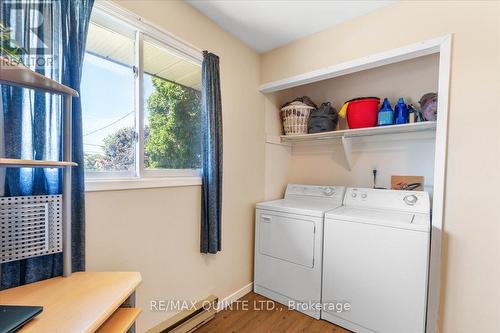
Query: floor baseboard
{"points": [[234, 296]]}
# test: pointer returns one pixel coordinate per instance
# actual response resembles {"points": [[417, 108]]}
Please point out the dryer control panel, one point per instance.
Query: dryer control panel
{"points": [[317, 191], [408, 201]]}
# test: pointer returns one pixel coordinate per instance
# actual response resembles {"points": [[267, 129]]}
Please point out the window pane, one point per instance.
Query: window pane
{"points": [[172, 109], [108, 101]]}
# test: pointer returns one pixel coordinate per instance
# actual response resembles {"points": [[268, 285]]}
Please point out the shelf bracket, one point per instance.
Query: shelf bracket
{"points": [[347, 147], [276, 140]]}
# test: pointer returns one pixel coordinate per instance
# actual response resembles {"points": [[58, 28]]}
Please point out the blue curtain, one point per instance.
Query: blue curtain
{"points": [[211, 191], [53, 33]]}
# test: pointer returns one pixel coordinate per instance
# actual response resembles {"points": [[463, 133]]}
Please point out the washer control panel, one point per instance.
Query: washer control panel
{"points": [[411, 201]]}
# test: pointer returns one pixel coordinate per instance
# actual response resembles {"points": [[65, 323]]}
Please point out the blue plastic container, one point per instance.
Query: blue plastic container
{"points": [[401, 112], [385, 114]]}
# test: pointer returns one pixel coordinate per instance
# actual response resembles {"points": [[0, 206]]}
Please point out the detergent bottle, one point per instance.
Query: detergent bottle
{"points": [[385, 114], [401, 112]]}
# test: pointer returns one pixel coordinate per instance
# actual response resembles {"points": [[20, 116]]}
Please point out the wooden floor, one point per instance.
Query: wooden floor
{"points": [[258, 317]]}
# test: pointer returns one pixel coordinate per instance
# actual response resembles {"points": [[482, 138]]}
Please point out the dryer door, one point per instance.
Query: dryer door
{"points": [[287, 238], [288, 251]]}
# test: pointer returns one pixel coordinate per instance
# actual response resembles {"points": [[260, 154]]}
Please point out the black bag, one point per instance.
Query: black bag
{"points": [[323, 119]]}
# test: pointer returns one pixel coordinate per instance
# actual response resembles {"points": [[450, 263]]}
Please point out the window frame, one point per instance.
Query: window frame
{"points": [[141, 177]]}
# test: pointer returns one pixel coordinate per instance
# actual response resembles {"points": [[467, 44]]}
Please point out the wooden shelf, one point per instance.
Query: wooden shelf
{"points": [[81, 302], [17, 74], [16, 163], [360, 132], [120, 321]]}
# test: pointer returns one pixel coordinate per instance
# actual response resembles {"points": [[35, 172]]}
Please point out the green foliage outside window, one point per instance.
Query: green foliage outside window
{"points": [[174, 127], [172, 139]]}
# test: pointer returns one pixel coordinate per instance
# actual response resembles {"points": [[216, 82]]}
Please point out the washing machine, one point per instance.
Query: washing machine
{"points": [[376, 259], [288, 245]]}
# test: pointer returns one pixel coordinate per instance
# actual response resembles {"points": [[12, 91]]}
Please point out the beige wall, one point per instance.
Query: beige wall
{"points": [[471, 248], [156, 231], [278, 157], [409, 79]]}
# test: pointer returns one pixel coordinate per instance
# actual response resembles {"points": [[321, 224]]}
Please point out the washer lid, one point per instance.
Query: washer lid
{"points": [[309, 207], [388, 218]]}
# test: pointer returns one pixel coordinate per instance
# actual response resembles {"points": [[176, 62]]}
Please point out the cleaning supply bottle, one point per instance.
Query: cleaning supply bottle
{"points": [[412, 112], [401, 112], [385, 114]]}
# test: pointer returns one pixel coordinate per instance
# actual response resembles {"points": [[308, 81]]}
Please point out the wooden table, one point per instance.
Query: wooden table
{"points": [[82, 302]]}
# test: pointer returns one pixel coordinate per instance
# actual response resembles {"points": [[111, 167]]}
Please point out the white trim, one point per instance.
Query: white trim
{"points": [[234, 296], [165, 173], [113, 23], [138, 183], [440, 156], [100, 175], [139, 104], [375, 60], [150, 29]]}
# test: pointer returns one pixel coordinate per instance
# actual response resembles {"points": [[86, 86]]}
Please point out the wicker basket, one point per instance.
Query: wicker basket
{"points": [[295, 117]]}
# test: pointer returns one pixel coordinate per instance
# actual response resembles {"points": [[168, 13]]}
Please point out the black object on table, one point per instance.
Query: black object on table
{"points": [[13, 317]]}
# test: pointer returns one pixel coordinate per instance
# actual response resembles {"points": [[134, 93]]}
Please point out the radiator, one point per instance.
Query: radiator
{"points": [[30, 226]]}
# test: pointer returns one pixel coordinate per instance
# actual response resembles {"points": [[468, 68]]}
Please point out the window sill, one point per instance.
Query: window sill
{"points": [[96, 185]]}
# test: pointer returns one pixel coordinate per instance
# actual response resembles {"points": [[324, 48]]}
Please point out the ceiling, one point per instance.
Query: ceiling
{"points": [[265, 25]]}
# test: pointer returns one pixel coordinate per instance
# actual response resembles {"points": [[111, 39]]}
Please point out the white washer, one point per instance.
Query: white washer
{"points": [[288, 245], [376, 254]]}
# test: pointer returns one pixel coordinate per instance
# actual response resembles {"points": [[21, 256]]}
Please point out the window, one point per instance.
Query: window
{"points": [[171, 110], [141, 103], [108, 102]]}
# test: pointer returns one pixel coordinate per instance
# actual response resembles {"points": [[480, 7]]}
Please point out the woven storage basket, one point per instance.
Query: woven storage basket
{"points": [[295, 117]]}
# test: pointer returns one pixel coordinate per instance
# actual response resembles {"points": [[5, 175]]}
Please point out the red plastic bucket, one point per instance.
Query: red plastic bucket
{"points": [[362, 112]]}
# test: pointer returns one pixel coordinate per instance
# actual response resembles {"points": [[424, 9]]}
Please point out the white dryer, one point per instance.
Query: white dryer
{"points": [[376, 257], [288, 245]]}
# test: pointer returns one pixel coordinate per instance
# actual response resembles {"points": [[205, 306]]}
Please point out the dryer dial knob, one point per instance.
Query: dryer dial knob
{"points": [[364, 196], [354, 195], [328, 191], [410, 199]]}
